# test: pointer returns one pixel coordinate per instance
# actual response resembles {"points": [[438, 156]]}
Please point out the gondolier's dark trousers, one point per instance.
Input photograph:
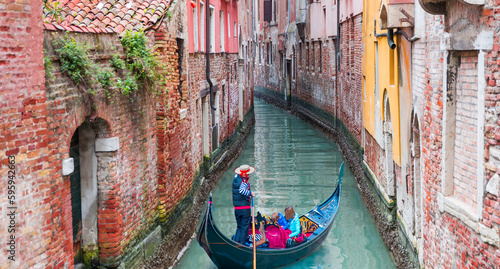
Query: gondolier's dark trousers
{"points": [[243, 219]]}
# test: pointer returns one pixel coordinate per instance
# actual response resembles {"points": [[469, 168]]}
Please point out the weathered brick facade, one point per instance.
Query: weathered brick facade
{"points": [[351, 78], [145, 149], [126, 186], [24, 134], [455, 91]]}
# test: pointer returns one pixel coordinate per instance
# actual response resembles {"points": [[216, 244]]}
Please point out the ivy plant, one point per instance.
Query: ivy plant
{"points": [[75, 60], [141, 61]]}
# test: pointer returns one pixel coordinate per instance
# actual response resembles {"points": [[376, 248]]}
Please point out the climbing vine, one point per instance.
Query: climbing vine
{"points": [[140, 68], [75, 60], [141, 61]]}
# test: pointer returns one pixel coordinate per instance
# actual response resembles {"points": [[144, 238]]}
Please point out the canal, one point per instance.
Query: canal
{"points": [[294, 165]]}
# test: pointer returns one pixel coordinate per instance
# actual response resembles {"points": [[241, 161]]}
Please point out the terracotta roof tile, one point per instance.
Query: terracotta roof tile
{"points": [[120, 28], [116, 14], [77, 29], [59, 27], [86, 22], [49, 26]]}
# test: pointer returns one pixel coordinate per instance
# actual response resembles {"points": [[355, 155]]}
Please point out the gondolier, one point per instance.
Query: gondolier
{"points": [[242, 202]]}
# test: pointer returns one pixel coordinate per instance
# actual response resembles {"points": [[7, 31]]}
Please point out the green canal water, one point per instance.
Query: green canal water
{"points": [[297, 165]]}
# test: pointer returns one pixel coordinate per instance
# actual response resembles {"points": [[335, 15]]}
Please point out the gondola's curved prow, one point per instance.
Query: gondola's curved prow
{"points": [[226, 253]]}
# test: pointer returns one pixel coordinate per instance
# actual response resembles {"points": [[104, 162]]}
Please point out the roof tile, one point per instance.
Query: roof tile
{"points": [[59, 27], [49, 26], [86, 22], [119, 28], [117, 14], [77, 29]]}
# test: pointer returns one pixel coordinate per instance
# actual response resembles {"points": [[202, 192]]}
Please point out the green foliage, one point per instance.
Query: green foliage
{"points": [[52, 9], [140, 69], [75, 59], [117, 63], [104, 77], [141, 61], [127, 86], [49, 68]]}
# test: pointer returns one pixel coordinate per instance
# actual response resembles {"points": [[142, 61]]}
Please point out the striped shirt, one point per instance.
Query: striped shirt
{"points": [[245, 189]]}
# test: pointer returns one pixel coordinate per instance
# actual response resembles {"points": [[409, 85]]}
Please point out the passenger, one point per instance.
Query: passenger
{"points": [[260, 236], [294, 229], [273, 236], [293, 222]]}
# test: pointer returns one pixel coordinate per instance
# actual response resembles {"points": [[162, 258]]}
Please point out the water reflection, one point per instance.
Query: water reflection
{"points": [[297, 165]]}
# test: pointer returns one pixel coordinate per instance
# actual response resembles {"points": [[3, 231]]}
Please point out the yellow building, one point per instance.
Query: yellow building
{"points": [[386, 87]]}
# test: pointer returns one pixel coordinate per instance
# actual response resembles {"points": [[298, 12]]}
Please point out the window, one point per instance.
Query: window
{"points": [[294, 60], [268, 10], [299, 56], [268, 61], [221, 31], [202, 27], [235, 30], [307, 55], [461, 119], [195, 28], [320, 67], [212, 29], [228, 25], [274, 10]]}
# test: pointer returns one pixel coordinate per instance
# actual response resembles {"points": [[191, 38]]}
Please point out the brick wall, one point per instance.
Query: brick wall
{"points": [[23, 123], [375, 157], [351, 90], [315, 83], [223, 74], [127, 203], [465, 175], [450, 241]]}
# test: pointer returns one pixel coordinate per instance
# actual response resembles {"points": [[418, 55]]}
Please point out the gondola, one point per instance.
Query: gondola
{"points": [[225, 253]]}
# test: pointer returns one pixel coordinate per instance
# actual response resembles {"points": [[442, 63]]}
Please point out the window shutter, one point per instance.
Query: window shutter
{"points": [[268, 10]]}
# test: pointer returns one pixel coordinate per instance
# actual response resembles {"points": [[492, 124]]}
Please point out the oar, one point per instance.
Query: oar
{"points": [[253, 234]]}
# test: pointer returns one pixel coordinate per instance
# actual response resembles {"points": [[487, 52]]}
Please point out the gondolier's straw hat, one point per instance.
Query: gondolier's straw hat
{"points": [[247, 169]]}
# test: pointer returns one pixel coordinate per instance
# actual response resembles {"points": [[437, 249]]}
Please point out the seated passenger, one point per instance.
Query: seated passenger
{"points": [[293, 222], [273, 236], [260, 236], [294, 229]]}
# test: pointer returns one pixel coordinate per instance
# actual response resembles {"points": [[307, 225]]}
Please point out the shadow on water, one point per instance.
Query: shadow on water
{"points": [[297, 165]]}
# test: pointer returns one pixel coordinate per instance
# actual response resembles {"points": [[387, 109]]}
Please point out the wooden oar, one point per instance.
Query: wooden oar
{"points": [[253, 234]]}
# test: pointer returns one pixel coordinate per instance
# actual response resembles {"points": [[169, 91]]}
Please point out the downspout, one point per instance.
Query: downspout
{"points": [[337, 79], [207, 52], [389, 34]]}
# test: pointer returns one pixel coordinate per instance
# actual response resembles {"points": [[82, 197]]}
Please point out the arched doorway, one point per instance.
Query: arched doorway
{"points": [[84, 194], [389, 163], [417, 182]]}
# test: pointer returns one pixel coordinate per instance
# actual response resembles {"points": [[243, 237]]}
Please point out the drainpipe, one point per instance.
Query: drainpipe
{"points": [[337, 79], [207, 53], [390, 38], [389, 34]]}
